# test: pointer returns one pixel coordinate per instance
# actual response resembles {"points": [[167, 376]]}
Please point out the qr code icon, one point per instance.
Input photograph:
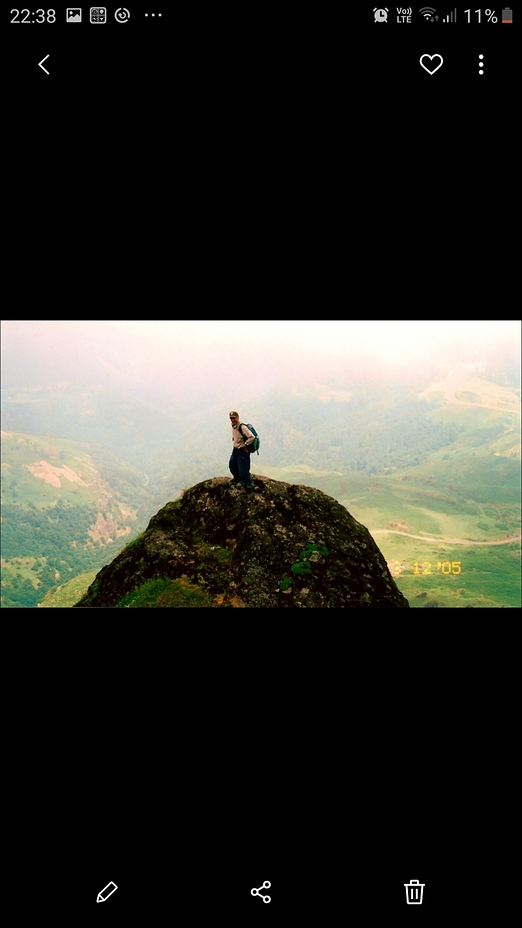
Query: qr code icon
{"points": [[98, 14]]}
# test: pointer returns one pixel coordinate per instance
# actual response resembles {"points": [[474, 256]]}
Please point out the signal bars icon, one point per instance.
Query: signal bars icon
{"points": [[451, 17]]}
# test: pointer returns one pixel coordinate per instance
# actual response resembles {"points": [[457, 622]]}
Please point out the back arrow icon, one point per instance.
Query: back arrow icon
{"points": [[40, 64]]}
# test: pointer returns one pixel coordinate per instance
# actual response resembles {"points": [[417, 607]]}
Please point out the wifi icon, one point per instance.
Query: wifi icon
{"points": [[429, 13]]}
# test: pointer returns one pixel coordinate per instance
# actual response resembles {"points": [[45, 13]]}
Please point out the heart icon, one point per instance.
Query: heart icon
{"points": [[431, 70]]}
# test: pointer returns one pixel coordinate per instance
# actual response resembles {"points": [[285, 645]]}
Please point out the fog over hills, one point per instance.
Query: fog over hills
{"points": [[180, 369], [189, 363], [36, 354]]}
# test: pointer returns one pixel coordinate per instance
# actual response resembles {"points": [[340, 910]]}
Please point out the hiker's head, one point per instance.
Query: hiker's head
{"points": [[234, 416]]}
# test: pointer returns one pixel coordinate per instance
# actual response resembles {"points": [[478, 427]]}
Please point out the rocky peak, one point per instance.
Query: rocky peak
{"points": [[283, 545]]}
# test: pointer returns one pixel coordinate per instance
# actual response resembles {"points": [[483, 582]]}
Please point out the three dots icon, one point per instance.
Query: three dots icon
{"points": [[481, 64]]}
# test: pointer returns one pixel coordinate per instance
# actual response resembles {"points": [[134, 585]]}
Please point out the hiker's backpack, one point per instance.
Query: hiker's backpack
{"points": [[255, 444]]}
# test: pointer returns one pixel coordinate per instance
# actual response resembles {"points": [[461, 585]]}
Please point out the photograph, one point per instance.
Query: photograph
{"points": [[249, 464]]}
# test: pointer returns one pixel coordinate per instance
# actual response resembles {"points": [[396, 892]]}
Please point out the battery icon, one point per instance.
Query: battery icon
{"points": [[507, 16]]}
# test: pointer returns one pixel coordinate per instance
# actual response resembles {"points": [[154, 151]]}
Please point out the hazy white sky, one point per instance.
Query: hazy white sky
{"points": [[275, 341], [239, 359], [321, 347]]}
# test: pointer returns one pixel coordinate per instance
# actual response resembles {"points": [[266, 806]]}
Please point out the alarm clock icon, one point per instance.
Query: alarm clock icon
{"points": [[381, 16], [122, 15]]}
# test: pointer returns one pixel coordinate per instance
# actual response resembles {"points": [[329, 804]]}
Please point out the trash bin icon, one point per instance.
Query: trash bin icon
{"points": [[414, 891]]}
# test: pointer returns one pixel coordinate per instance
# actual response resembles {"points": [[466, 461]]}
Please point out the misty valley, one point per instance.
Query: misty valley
{"points": [[431, 468]]}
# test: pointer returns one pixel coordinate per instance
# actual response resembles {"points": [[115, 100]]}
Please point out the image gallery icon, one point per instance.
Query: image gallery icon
{"points": [[73, 14], [414, 891]]}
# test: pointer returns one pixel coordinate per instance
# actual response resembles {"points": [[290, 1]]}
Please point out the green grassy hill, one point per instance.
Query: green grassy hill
{"points": [[463, 503], [67, 594], [60, 516]]}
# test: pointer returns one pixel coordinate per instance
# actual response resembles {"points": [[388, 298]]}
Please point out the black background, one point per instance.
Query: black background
{"points": [[438, 200], [189, 760], [226, 157], [137, 164]]}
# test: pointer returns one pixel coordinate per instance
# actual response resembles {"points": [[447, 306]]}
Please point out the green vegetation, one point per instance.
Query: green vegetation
{"points": [[61, 548], [311, 558], [215, 553], [433, 504], [165, 593], [303, 566], [134, 541], [438, 501], [371, 434], [68, 594], [452, 575], [22, 580], [58, 514]]}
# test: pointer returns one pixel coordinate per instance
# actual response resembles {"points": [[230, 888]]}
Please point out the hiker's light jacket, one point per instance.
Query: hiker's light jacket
{"points": [[237, 437]]}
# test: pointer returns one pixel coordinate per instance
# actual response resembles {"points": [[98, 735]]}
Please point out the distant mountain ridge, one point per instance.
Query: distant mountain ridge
{"points": [[92, 414], [341, 426]]}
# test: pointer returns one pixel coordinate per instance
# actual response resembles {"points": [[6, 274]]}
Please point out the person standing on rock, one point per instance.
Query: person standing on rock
{"points": [[239, 463]]}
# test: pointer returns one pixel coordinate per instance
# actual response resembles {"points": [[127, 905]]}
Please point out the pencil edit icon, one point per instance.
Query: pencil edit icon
{"points": [[106, 892]]}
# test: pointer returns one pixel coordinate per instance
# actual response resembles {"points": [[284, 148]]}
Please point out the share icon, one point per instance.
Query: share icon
{"points": [[255, 892]]}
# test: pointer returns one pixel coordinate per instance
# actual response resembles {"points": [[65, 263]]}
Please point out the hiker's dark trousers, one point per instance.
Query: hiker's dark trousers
{"points": [[239, 466]]}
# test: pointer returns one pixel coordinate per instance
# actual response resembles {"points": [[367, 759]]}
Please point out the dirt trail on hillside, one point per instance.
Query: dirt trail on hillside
{"points": [[513, 408], [449, 541]]}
